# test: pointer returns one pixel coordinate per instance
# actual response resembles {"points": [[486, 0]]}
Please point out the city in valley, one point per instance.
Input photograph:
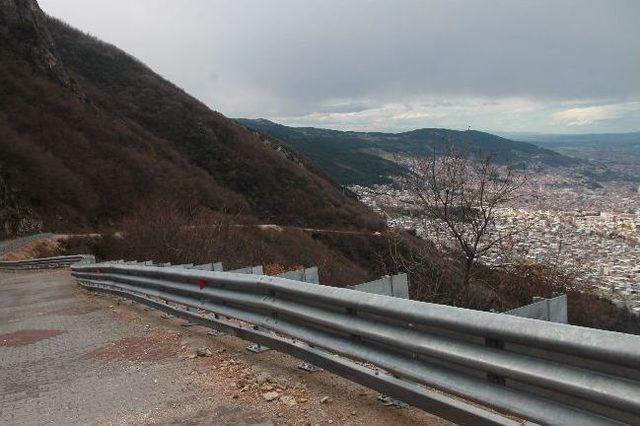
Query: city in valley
{"points": [[590, 230]]}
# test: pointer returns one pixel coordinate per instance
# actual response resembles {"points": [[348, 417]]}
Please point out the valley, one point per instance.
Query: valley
{"points": [[593, 232], [580, 209]]}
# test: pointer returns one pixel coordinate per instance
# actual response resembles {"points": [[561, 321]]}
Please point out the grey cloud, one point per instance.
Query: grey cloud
{"points": [[294, 58]]}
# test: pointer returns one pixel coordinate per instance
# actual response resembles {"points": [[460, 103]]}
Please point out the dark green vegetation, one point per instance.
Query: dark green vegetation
{"points": [[364, 158], [88, 134]]}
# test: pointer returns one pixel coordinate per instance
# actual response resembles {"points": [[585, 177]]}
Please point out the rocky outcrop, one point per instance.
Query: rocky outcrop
{"points": [[16, 217], [24, 33]]}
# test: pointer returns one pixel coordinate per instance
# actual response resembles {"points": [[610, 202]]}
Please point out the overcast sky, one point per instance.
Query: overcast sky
{"points": [[496, 65]]}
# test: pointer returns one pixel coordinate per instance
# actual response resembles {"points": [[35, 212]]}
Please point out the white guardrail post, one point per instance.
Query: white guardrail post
{"points": [[389, 285], [553, 309]]}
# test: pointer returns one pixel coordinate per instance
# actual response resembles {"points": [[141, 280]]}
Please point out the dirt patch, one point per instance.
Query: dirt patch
{"points": [[74, 310], [27, 337], [276, 268], [235, 386], [148, 348], [62, 295]]}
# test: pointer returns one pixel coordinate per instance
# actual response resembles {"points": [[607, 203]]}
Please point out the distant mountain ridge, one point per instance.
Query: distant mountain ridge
{"points": [[576, 139], [618, 153], [358, 157]]}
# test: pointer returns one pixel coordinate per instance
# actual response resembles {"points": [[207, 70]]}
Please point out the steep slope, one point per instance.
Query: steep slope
{"points": [[25, 36], [358, 157], [88, 134]]}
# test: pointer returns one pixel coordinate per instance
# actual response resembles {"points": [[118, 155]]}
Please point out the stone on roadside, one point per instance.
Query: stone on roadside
{"points": [[288, 400], [262, 378], [204, 352], [270, 396]]}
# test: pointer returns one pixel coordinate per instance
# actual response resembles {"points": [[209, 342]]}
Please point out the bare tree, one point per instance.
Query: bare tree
{"points": [[463, 194], [427, 277]]}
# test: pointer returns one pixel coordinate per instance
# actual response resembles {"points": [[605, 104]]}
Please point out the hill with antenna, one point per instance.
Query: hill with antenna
{"points": [[367, 157]]}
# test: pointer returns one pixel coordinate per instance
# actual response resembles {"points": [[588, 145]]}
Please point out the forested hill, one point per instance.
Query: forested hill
{"points": [[88, 135], [359, 157]]}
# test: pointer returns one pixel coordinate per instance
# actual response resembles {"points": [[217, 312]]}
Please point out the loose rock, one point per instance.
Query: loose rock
{"points": [[262, 378], [204, 352], [288, 400], [270, 396]]}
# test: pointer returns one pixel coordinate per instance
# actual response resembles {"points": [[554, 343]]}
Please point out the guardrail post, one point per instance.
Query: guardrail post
{"points": [[353, 312], [308, 275], [390, 401], [496, 344], [257, 347], [389, 285], [553, 309]]}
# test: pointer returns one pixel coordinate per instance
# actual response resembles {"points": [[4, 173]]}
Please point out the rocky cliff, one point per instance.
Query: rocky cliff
{"points": [[23, 32]]}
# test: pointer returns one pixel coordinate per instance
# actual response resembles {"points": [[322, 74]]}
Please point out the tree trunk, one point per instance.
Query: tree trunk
{"points": [[467, 272]]}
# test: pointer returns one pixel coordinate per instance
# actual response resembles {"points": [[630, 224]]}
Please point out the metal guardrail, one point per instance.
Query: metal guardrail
{"points": [[543, 372], [47, 262]]}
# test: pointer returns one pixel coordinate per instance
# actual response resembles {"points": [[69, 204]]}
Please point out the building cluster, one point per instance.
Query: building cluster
{"points": [[590, 231]]}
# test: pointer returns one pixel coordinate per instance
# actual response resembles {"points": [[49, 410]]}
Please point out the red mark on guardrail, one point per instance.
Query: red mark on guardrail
{"points": [[202, 283]]}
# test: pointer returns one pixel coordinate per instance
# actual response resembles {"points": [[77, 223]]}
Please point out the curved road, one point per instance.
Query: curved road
{"points": [[72, 357]]}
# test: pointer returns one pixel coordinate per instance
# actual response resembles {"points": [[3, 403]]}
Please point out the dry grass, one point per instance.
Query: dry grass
{"points": [[40, 248]]}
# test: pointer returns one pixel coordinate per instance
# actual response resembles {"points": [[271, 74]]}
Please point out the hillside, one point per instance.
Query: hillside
{"points": [[88, 135], [359, 157]]}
